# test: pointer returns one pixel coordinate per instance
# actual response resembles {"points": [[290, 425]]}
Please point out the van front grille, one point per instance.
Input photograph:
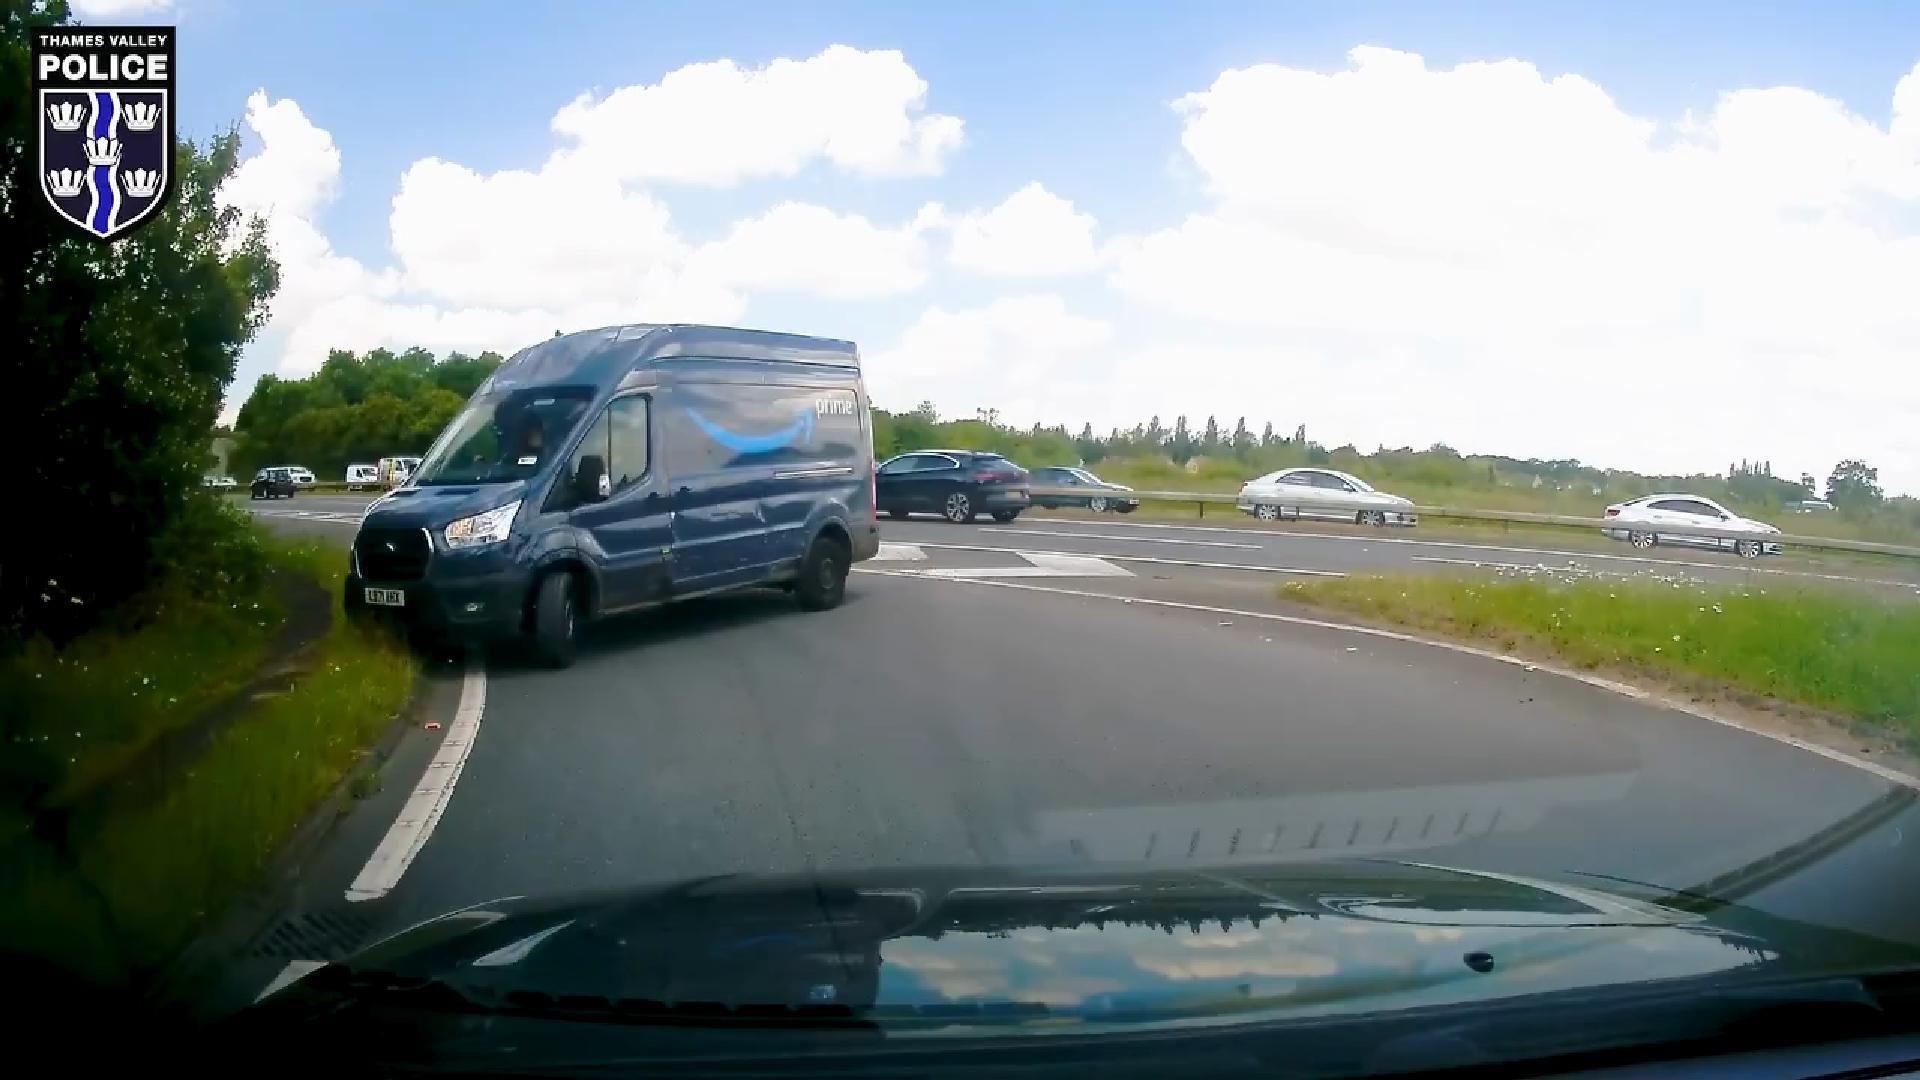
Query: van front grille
{"points": [[392, 554]]}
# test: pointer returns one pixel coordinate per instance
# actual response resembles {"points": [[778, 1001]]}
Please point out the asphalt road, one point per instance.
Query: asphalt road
{"points": [[1036, 718], [1238, 545]]}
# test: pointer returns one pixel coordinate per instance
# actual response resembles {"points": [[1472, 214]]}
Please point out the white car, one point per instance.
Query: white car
{"points": [[302, 476], [359, 476], [1322, 493], [1644, 516]]}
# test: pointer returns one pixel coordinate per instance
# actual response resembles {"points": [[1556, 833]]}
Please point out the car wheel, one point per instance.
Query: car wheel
{"points": [[554, 620], [823, 574], [1375, 518], [1748, 549], [897, 515], [1004, 516], [1097, 504], [1640, 539], [1267, 512], [959, 508]]}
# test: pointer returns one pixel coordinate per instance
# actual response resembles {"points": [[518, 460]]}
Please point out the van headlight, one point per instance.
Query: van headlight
{"points": [[488, 528]]}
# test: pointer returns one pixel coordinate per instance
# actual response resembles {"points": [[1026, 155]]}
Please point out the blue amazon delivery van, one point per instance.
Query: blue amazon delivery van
{"points": [[613, 470]]}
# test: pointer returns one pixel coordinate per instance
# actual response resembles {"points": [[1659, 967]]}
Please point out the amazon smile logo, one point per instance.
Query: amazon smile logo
{"points": [[794, 434]]}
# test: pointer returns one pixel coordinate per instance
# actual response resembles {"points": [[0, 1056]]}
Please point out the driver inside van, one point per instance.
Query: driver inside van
{"points": [[530, 446]]}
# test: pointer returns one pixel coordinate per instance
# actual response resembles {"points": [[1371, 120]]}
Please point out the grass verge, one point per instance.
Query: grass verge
{"points": [[79, 714], [1848, 654], [131, 889]]}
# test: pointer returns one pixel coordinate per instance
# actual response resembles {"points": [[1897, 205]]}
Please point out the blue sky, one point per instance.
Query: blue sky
{"points": [[1073, 93], [1079, 98]]}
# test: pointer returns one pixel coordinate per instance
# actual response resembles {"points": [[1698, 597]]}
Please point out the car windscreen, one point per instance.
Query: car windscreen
{"points": [[504, 436]]}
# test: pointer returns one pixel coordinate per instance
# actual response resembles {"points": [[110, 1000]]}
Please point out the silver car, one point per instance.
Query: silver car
{"points": [[1640, 520], [1325, 494]]}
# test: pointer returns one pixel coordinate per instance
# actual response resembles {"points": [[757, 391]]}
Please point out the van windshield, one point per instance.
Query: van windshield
{"points": [[504, 436]]}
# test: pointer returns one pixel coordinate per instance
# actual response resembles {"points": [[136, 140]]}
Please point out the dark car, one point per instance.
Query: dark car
{"points": [[618, 469], [956, 484], [272, 484], [1090, 492], [1332, 968]]}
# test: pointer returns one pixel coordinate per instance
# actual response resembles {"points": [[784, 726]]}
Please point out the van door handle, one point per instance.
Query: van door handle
{"points": [[682, 492]]}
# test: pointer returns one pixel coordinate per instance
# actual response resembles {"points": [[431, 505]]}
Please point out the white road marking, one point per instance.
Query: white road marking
{"points": [[1623, 689], [1123, 539], [1148, 559], [292, 973], [900, 553], [331, 517], [1289, 534], [1041, 564], [422, 810]]}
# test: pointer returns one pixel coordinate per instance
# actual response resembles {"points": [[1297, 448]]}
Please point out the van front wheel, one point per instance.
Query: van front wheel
{"points": [[822, 583], [554, 620]]}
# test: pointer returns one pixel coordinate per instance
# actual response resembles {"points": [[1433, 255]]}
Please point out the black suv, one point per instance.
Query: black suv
{"points": [[956, 484], [272, 484]]}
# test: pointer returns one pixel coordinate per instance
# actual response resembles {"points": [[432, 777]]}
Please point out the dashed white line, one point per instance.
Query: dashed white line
{"points": [[422, 810], [1148, 559], [1289, 534], [1040, 564], [1123, 539], [900, 553]]}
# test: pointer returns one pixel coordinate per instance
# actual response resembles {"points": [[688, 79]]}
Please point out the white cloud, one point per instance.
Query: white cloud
{"points": [[718, 123], [1512, 262], [1032, 232], [112, 9], [797, 247], [287, 183], [560, 237], [492, 260], [1023, 355]]}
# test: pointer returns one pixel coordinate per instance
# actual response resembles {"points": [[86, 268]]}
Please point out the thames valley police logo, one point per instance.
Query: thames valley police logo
{"points": [[105, 97]]}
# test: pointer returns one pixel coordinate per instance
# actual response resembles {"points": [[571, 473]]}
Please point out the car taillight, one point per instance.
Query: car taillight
{"points": [[1613, 511], [873, 493]]}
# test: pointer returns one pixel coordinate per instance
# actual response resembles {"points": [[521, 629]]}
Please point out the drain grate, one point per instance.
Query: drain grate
{"points": [[316, 935]]}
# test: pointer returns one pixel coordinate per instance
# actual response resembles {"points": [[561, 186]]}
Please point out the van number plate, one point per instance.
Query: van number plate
{"points": [[387, 597]]}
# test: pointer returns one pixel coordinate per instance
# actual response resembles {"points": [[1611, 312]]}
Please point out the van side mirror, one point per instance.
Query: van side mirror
{"points": [[590, 481]]}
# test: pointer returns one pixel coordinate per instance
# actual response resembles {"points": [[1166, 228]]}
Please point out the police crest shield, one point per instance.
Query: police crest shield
{"points": [[105, 99]]}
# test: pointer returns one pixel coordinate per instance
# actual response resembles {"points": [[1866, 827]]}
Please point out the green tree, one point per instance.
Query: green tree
{"points": [[355, 408], [1181, 446], [1266, 436], [118, 358], [1854, 485]]}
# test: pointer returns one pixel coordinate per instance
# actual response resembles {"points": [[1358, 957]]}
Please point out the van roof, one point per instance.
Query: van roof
{"points": [[595, 356]]}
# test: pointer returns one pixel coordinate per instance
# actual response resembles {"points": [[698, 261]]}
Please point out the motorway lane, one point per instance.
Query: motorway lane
{"points": [[933, 722], [1172, 550]]}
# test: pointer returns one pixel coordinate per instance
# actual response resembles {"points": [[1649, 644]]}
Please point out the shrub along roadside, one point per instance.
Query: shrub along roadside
{"points": [[134, 887], [1842, 652]]}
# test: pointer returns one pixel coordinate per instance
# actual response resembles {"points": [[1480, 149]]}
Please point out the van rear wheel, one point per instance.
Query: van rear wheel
{"points": [[822, 583], [554, 620]]}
